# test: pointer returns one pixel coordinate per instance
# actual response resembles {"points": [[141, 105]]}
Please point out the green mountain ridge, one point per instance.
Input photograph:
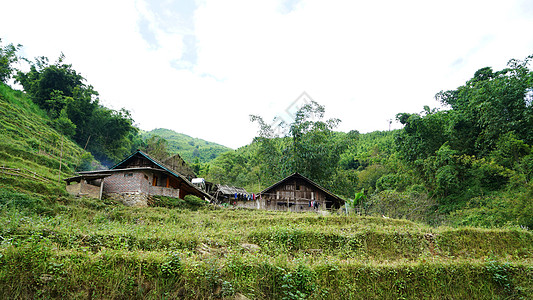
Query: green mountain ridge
{"points": [[187, 147]]}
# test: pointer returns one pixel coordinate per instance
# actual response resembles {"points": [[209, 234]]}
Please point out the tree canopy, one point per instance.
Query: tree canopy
{"points": [[310, 147], [75, 110], [8, 57]]}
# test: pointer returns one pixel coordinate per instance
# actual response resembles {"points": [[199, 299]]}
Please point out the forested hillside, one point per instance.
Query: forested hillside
{"points": [[74, 109], [193, 150], [469, 164]]}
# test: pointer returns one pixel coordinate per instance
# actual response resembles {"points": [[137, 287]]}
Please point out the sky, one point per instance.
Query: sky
{"points": [[202, 67]]}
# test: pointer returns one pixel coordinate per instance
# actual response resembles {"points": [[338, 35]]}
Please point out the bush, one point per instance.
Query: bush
{"points": [[194, 202], [189, 202]]}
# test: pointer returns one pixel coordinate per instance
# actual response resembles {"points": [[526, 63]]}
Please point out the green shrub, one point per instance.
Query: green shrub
{"points": [[172, 267], [194, 202], [189, 202]]}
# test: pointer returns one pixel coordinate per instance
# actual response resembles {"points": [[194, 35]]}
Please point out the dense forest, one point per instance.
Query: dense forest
{"points": [[468, 164]]}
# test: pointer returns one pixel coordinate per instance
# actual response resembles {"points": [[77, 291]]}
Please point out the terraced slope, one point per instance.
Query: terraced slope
{"points": [[30, 150], [86, 248]]}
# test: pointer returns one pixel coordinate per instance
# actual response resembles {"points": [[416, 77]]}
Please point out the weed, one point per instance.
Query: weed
{"points": [[172, 267]]}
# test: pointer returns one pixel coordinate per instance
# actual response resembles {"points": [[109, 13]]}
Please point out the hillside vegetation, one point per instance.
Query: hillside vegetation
{"points": [[74, 109], [192, 150], [53, 245], [90, 249], [468, 164], [31, 152]]}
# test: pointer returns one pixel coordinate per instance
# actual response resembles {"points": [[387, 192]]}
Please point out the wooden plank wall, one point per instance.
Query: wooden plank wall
{"points": [[296, 193]]}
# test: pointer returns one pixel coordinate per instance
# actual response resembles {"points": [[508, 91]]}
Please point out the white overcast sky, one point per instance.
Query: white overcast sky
{"points": [[202, 67]]}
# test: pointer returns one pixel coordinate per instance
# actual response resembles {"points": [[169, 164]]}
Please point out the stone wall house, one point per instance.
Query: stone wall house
{"points": [[139, 176]]}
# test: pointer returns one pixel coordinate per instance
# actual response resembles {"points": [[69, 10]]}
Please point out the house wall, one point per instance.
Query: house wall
{"points": [[130, 187], [131, 199], [74, 188], [126, 182], [252, 204], [84, 189], [163, 191], [297, 193], [141, 182]]}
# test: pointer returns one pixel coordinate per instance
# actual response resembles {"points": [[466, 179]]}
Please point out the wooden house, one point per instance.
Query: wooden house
{"points": [[136, 178], [298, 193]]}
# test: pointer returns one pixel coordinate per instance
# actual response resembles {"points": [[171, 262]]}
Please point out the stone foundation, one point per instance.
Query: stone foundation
{"points": [[130, 199]]}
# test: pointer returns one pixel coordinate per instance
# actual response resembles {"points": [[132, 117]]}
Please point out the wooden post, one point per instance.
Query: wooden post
{"points": [[60, 159], [101, 188], [288, 200]]}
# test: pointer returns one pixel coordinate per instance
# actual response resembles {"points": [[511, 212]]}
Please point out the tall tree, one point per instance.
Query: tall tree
{"points": [[268, 156], [44, 79], [310, 147], [75, 110], [482, 141], [314, 152], [492, 104]]}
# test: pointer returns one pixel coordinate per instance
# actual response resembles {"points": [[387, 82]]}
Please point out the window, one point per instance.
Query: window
{"points": [[297, 187]]}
